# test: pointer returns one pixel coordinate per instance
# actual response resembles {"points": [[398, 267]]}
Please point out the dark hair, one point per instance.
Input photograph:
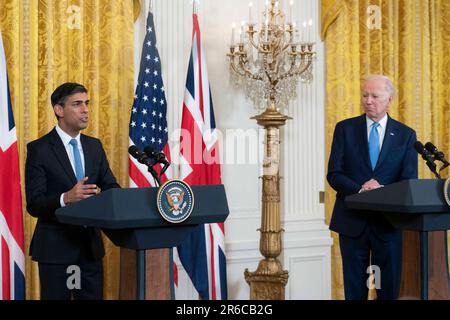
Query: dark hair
{"points": [[59, 96]]}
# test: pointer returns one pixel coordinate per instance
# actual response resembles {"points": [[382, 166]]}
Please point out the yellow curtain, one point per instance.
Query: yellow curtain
{"points": [[48, 42], [407, 40]]}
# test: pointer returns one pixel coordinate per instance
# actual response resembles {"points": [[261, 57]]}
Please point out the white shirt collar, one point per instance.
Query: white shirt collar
{"points": [[382, 122], [65, 137]]}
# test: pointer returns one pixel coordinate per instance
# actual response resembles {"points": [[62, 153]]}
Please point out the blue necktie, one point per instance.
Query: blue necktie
{"points": [[374, 144], [79, 172]]}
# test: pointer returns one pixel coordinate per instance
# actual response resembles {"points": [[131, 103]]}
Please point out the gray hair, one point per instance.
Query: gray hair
{"points": [[387, 82]]}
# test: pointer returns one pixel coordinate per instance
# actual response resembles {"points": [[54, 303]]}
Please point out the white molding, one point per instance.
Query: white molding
{"points": [[323, 258], [238, 246], [247, 260], [305, 219], [244, 213]]}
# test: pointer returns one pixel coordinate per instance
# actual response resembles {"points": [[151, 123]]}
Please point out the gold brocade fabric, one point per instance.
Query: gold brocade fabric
{"points": [[48, 42], [407, 40]]}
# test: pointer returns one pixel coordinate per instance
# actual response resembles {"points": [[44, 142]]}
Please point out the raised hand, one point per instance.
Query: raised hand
{"points": [[80, 191]]}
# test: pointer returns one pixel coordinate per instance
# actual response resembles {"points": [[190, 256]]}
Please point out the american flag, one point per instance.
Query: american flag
{"points": [[203, 253], [148, 123], [12, 258]]}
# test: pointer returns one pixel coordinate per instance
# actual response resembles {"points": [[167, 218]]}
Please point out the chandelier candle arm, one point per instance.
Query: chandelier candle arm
{"points": [[291, 31], [235, 69], [242, 71], [291, 73], [258, 46]]}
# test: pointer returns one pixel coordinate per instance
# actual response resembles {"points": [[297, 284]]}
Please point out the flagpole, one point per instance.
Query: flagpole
{"points": [[194, 6]]}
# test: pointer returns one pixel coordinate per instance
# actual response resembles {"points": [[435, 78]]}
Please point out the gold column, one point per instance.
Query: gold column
{"points": [[269, 280]]}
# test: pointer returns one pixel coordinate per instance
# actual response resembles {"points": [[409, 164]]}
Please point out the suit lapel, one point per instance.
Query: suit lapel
{"points": [[362, 134], [389, 136], [61, 154], [87, 156]]}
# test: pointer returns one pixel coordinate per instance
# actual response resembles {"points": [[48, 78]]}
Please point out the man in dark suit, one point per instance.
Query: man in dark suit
{"points": [[64, 167], [368, 152]]}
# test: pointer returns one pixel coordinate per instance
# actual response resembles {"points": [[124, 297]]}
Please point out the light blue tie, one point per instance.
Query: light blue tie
{"points": [[79, 172], [374, 144]]}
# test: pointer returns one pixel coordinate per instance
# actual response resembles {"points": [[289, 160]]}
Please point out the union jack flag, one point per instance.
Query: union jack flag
{"points": [[12, 258], [203, 253], [148, 123]]}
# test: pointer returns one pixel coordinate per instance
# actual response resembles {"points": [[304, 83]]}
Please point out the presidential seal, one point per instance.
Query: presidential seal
{"points": [[446, 191], [175, 201]]}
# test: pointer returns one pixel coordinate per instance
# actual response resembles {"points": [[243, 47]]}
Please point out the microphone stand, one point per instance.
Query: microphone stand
{"points": [[163, 170], [432, 167], [140, 253], [446, 164], [436, 156], [154, 175]]}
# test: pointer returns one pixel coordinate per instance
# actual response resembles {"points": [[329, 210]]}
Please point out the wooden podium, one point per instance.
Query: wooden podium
{"points": [[419, 209]]}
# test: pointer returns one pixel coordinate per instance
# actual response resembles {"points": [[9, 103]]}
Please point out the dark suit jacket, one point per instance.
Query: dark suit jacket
{"points": [[349, 168], [48, 174]]}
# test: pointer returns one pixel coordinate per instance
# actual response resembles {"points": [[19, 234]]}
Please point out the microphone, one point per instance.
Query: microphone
{"points": [[141, 157], [438, 155], [427, 156], [159, 156]]}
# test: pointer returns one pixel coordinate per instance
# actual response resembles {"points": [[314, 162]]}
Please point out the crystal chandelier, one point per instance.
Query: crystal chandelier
{"points": [[268, 63]]}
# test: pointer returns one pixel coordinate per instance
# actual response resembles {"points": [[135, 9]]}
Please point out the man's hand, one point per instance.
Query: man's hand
{"points": [[370, 185], [80, 191]]}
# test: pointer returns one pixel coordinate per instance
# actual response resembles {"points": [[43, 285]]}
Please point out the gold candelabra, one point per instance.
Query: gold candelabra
{"points": [[268, 64]]}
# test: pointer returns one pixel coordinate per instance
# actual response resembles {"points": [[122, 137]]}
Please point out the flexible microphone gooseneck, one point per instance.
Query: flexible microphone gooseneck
{"points": [[438, 155], [159, 157], [427, 156], [142, 157]]}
